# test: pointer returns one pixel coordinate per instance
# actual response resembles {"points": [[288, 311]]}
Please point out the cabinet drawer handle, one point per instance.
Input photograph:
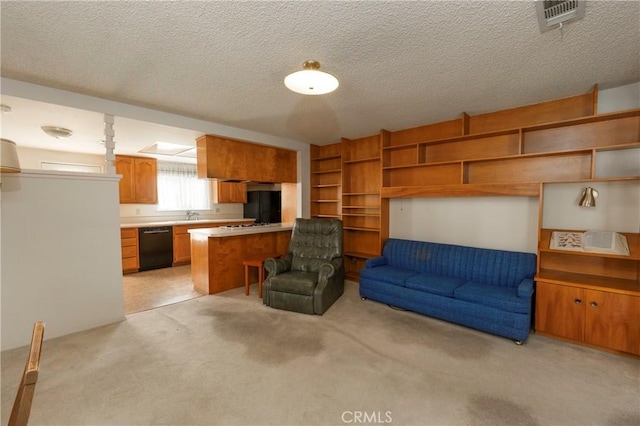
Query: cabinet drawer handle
{"points": [[578, 302], [594, 304]]}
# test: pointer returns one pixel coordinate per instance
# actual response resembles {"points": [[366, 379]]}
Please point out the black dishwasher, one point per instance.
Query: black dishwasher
{"points": [[155, 247]]}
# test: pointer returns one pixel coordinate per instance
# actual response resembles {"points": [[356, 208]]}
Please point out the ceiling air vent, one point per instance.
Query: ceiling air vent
{"points": [[552, 13]]}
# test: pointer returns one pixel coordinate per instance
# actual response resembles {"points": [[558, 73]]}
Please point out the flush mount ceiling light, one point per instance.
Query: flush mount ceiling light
{"points": [[56, 132], [311, 81]]}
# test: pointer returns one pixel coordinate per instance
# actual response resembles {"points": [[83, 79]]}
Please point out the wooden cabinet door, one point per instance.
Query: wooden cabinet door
{"points": [[125, 167], [146, 178], [182, 248], [228, 192], [613, 321], [232, 192], [560, 310]]}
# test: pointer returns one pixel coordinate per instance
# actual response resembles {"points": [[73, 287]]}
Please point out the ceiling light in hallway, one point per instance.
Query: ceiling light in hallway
{"points": [[57, 132], [311, 81]]}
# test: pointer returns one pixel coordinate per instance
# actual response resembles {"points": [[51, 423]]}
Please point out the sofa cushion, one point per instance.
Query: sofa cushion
{"points": [[297, 282], [434, 283], [503, 298], [390, 274]]}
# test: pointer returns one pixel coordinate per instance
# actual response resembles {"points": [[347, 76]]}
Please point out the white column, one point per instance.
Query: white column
{"points": [[109, 144]]}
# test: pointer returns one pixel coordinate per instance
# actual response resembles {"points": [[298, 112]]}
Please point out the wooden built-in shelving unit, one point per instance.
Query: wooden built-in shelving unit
{"points": [[564, 151], [326, 181], [364, 213], [510, 152], [589, 298]]}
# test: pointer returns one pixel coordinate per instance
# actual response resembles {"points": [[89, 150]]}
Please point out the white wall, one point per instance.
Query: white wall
{"points": [[617, 207], [60, 248], [619, 98], [504, 223], [32, 158], [510, 223]]}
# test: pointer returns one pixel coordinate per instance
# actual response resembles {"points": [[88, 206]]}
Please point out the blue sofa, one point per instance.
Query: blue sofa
{"points": [[489, 290]]}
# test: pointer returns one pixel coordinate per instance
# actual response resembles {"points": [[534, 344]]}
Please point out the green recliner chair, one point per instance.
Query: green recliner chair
{"points": [[311, 276]]}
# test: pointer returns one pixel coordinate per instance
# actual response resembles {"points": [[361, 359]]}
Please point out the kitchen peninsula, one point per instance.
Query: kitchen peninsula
{"points": [[217, 253]]}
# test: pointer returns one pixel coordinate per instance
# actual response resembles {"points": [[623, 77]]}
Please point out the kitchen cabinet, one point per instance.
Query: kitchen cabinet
{"points": [[139, 179], [129, 246], [182, 239], [222, 158], [228, 192]]}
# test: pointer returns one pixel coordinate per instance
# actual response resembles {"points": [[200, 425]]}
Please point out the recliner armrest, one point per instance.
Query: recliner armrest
{"points": [[525, 288], [277, 266], [375, 261]]}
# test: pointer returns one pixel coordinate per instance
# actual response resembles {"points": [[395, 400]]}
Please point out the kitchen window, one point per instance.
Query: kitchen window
{"points": [[180, 189]]}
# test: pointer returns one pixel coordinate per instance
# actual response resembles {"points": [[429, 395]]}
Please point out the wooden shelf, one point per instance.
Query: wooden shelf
{"points": [[398, 147], [361, 207], [560, 151], [326, 180], [361, 255], [348, 194], [353, 228], [594, 282], [326, 157], [327, 216], [362, 160], [362, 214], [584, 120], [471, 137], [318, 172], [462, 190], [633, 241]]}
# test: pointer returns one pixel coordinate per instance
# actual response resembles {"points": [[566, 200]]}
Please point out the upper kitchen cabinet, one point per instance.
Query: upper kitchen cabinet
{"points": [[227, 159], [228, 192], [139, 179]]}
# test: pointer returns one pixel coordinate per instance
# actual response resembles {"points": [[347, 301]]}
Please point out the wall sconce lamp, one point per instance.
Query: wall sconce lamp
{"points": [[588, 197], [9, 157]]}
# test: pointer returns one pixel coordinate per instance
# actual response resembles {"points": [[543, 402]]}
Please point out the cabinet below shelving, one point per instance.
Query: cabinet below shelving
{"points": [[589, 298]]}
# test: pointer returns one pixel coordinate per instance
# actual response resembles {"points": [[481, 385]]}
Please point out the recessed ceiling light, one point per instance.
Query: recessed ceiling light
{"points": [[311, 81], [165, 148], [57, 132]]}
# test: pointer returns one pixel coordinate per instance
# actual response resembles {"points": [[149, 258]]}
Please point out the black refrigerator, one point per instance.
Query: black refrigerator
{"points": [[263, 206]]}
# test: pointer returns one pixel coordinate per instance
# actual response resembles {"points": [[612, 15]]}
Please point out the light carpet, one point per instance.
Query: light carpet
{"points": [[227, 359]]}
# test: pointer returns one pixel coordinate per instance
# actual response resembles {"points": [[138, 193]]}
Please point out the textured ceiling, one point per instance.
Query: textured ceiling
{"points": [[400, 64]]}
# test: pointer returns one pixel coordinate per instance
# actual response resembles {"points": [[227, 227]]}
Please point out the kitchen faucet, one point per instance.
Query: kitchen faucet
{"points": [[192, 214]]}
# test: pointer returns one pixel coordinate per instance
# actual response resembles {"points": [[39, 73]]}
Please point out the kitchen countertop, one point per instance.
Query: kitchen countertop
{"points": [[180, 222], [219, 232]]}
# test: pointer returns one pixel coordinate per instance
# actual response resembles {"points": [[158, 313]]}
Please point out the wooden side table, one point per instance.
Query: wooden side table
{"points": [[258, 262]]}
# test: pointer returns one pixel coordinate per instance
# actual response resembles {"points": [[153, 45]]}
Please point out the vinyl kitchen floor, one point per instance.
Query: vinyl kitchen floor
{"points": [[159, 287]]}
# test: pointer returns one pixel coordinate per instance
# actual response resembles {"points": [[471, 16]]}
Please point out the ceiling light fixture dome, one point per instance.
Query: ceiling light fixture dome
{"points": [[311, 81], [57, 132]]}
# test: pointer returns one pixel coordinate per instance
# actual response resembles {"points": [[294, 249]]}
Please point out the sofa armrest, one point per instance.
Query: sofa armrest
{"points": [[525, 288], [375, 261]]}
